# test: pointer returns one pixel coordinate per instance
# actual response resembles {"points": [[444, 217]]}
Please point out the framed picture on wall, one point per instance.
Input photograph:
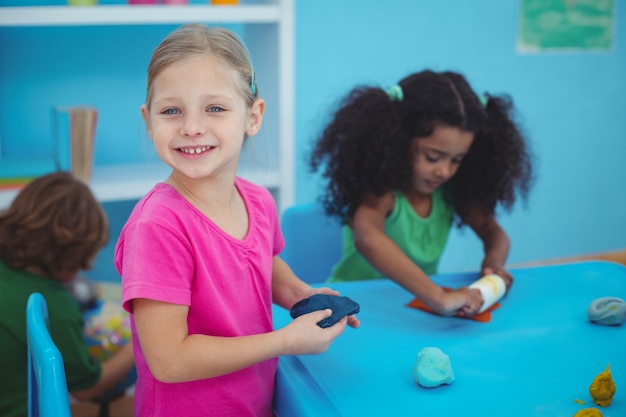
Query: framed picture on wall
{"points": [[565, 25]]}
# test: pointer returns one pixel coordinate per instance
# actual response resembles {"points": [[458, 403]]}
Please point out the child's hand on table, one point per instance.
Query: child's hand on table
{"points": [[502, 273], [463, 302]]}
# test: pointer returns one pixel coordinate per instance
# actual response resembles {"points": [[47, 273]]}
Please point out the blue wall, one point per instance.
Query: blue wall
{"points": [[97, 66], [571, 104]]}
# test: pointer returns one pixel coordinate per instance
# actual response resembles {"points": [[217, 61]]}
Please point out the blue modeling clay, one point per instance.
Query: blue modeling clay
{"points": [[341, 307], [608, 311], [433, 368]]}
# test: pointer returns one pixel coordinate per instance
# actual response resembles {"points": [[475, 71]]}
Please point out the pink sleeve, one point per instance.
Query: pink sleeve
{"points": [[151, 266]]}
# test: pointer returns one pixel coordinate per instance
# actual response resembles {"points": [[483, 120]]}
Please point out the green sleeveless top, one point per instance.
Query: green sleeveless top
{"points": [[422, 239]]}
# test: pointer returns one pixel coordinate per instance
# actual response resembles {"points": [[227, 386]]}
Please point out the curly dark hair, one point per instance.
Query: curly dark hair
{"points": [[54, 223], [365, 149]]}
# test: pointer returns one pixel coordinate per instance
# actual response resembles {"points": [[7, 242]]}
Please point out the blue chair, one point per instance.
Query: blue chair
{"points": [[313, 242], [47, 386]]}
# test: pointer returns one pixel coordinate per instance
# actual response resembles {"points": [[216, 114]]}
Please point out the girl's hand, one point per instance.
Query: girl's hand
{"points": [[505, 275], [352, 321], [323, 290], [463, 302], [304, 337]]}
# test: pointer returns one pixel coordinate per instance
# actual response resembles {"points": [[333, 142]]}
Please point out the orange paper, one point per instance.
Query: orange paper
{"points": [[484, 317]]}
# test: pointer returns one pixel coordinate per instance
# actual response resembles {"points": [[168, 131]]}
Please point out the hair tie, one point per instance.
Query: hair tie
{"points": [[483, 99], [253, 80], [395, 93], [253, 87]]}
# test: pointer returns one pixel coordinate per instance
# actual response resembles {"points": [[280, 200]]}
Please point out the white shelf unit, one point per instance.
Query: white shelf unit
{"points": [[138, 15], [267, 21], [131, 181]]}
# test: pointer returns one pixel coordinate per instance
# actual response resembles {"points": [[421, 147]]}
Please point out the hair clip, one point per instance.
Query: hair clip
{"points": [[395, 93], [253, 86], [483, 99]]}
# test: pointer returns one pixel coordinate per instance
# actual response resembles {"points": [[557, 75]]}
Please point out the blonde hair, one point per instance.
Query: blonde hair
{"points": [[197, 39]]}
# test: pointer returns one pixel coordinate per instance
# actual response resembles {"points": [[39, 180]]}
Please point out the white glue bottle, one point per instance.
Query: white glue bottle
{"points": [[492, 287]]}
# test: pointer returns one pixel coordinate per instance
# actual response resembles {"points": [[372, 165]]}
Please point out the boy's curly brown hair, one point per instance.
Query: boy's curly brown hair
{"points": [[54, 224]]}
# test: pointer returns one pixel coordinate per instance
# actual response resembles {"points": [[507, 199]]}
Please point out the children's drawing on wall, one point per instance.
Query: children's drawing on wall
{"points": [[565, 25]]}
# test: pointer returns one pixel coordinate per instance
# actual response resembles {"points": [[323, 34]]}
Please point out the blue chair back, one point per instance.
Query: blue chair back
{"points": [[313, 242], [47, 386]]}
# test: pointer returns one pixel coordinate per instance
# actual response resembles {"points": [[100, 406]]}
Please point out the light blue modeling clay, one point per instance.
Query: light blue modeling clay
{"points": [[608, 311], [433, 368]]}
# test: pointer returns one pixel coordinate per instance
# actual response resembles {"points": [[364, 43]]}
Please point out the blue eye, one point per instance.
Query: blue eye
{"points": [[215, 109], [170, 111]]}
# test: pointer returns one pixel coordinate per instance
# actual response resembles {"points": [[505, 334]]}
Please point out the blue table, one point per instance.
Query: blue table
{"points": [[538, 354]]}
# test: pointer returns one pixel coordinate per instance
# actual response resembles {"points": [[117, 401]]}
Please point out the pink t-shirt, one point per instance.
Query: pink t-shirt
{"points": [[169, 251]]}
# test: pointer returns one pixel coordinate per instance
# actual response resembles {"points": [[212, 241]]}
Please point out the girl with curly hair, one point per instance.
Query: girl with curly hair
{"points": [[403, 165]]}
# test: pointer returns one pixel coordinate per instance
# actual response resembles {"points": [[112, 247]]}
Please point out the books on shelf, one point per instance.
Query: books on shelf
{"points": [[75, 133], [17, 172]]}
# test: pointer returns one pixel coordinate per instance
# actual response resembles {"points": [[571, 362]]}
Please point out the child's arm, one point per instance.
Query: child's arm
{"points": [[114, 370], [287, 289], [495, 243], [387, 257], [173, 355]]}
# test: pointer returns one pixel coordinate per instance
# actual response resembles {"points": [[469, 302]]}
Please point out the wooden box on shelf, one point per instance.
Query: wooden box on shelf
{"points": [[75, 134]]}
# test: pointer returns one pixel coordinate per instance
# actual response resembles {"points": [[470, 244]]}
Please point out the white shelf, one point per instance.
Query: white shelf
{"points": [[132, 181], [6, 196], [140, 15], [271, 27]]}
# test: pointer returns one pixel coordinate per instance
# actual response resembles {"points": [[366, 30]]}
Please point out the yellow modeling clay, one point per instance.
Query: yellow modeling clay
{"points": [[588, 412], [602, 388]]}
